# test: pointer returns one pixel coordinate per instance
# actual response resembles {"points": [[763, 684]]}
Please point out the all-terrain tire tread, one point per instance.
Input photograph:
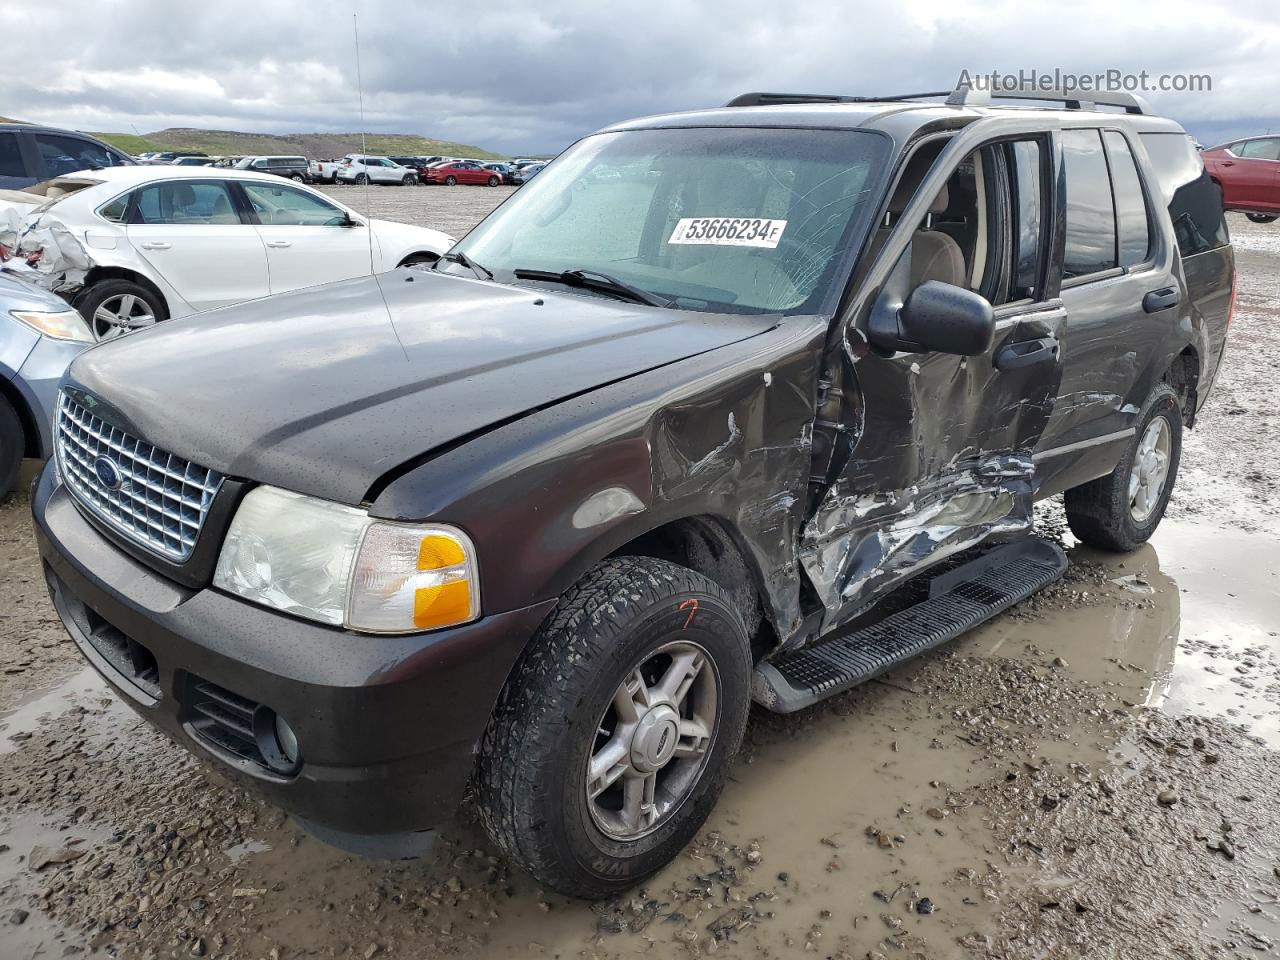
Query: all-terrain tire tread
{"points": [[534, 706]]}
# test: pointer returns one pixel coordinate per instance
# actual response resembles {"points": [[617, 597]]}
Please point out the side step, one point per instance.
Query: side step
{"points": [[959, 600]]}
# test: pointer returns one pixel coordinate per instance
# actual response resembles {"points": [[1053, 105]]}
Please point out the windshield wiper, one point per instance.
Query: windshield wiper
{"points": [[595, 280], [457, 256]]}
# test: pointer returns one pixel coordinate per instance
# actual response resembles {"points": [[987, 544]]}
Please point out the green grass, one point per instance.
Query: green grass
{"points": [[129, 143], [311, 145]]}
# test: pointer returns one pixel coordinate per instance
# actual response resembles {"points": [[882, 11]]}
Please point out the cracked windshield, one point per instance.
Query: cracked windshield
{"points": [[721, 220]]}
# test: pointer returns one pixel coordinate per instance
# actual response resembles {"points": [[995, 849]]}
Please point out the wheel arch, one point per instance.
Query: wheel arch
{"points": [[421, 255], [98, 274], [709, 545], [31, 441], [1183, 376]]}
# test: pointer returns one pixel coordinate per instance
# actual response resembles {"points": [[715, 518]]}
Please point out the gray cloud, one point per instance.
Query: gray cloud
{"points": [[523, 76]]}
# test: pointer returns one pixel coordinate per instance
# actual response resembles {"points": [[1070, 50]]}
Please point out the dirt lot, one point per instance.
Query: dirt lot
{"points": [[1094, 774]]}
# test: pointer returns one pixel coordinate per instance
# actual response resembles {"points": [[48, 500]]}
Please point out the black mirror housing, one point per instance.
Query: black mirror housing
{"points": [[937, 318]]}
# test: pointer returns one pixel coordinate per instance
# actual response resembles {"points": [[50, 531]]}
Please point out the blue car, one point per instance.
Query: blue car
{"points": [[39, 335]]}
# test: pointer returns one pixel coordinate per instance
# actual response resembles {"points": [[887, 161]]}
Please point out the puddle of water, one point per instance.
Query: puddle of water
{"points": [[240, 851], [28, 716]]}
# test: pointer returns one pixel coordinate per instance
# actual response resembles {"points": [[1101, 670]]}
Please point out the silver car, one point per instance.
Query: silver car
{"points": [[39, 336], [359, 168]]}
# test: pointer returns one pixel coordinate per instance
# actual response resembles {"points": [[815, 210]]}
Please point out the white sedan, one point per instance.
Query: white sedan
{"points": [[136, 245]]}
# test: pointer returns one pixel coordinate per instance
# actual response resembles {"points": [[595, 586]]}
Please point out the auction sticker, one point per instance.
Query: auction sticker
{"points": [[729, 231]]}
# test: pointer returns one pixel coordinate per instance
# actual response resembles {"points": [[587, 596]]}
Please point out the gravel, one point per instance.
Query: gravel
{"points": [[1093, 774]]}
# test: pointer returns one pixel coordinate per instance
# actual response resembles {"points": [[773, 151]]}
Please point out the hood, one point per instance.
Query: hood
{"points": [[325, 390]]}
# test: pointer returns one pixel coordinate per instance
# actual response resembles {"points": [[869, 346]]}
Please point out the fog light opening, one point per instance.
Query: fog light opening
{"points": [[277, 741]]}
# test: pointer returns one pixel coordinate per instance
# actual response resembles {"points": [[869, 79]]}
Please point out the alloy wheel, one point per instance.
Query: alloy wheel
{"points": [[1150, 470], [120, 314], [652, 741]]}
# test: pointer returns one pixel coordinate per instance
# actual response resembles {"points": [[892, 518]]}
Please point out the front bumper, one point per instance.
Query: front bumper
{"points": [[387, 726]]}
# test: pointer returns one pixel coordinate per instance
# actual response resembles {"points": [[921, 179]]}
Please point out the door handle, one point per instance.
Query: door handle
{"points": [[279, 243], [154, 245], [1228, 163], [1161, 299], [1025, 353]]}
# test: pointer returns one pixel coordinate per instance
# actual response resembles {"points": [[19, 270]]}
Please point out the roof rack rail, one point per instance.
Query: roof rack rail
{"points": [[963, 95], [772, 99]]}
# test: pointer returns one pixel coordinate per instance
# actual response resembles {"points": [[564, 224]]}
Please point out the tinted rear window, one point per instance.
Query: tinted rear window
{"points": [[1195, 201]]}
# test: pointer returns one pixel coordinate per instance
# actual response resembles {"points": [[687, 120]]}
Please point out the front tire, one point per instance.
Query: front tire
{"points": [[12, 446], [613, 738], [494, 181], [297, 178], [1120, 512], [1263, 217], [450, 181]]}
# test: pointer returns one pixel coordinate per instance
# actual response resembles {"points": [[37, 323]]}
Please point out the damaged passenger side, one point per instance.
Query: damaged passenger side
{"points": [[944, 391]]}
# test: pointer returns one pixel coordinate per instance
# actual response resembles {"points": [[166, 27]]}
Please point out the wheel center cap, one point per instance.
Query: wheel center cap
{"points": [[655, 739]]}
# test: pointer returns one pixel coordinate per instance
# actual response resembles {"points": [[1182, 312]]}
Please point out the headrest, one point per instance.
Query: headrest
{"points": [[906, 190]]}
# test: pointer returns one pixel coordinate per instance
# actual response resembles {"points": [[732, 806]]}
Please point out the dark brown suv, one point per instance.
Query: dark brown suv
{"points": [[750, 403]]}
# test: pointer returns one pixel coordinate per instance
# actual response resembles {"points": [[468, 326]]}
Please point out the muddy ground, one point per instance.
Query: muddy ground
{"points": [[1093, 774]]}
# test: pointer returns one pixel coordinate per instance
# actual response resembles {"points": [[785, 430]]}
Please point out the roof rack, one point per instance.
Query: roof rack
{"points": [[964, 95]]}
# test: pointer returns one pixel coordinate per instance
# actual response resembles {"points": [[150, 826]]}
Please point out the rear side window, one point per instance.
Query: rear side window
{"points": [[1259, 149], [195, 202], [1091, 219], [1132, 219], [64, 155], [11, 157], [1195, 201]]}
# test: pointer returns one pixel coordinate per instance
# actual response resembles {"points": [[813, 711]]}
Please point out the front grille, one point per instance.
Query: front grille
{"points": [[159, 500]]}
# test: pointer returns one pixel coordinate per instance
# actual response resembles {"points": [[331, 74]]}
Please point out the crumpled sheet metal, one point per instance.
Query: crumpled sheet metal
{"points": [[750, 451], [859, 545], [63, 261]]}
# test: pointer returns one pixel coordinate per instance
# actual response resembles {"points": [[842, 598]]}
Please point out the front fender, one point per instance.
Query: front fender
{"points": [[725, 435]]}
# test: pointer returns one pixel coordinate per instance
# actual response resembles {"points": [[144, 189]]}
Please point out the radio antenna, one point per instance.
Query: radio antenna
{"points": [[364, 147]]}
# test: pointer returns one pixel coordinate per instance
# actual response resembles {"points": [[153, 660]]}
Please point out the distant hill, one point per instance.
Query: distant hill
{"points": [[314, 146]]}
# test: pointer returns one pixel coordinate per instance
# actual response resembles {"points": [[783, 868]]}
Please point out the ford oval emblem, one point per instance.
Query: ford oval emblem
{"points": [[108, 473]]}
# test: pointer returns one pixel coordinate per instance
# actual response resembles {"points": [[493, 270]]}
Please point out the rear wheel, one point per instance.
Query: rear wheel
{"points": [[116, 307], [1263, 217], [612, 740], [12, 445], [1120, 512], [297, 178], [362, 179]]}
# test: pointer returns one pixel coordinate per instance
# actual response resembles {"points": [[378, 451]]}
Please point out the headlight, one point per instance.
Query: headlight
{"points": [[335, 564], [60, 325]]}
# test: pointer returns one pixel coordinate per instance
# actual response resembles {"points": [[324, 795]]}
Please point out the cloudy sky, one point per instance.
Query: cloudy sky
{"points": [[532, 76]]}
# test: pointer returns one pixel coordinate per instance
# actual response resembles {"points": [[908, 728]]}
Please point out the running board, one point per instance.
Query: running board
{"points": [[959, 600]]}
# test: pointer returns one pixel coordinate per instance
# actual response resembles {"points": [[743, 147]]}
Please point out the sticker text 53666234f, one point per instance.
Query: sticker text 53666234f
{"points": [[729, 231]]}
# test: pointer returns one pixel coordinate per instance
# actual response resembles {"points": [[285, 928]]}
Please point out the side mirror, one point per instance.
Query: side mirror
{"points": [[937, 318]]}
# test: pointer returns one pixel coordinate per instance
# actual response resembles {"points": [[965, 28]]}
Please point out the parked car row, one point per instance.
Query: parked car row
{"points": [[357, 168]]}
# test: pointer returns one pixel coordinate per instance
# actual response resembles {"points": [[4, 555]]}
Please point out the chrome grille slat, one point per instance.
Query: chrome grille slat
{"points": [[162, 500]]}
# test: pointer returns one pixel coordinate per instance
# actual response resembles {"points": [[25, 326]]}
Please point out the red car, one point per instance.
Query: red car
{"points": [[462, 171], [1249, 173]]}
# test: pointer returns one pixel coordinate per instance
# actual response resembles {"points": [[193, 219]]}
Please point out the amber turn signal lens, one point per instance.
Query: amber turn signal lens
{"points": [[437, 552], [440, 606]]}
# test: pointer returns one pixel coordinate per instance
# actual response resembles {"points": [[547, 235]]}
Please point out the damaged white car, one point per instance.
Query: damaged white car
{"points": [[131, 246]]}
